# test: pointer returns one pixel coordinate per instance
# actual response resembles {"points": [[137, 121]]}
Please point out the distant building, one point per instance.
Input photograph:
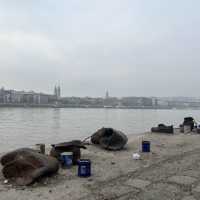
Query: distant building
{"points": [[6, 96], [2, 95], [110, 101], [41, 98], [57, 92], [17, 96], [107, 95], [146, 102], [154, 102], [22, 97], [136, 101]]}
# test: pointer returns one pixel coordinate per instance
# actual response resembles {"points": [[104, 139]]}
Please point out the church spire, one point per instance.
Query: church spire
{"points": [[57, 91], [107, 94]]}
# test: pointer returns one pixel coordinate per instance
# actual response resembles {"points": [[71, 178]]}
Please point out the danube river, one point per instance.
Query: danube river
{"points": [[21, 127]]}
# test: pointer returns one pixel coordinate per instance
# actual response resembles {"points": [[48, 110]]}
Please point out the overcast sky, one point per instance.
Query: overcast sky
{"points": [[130, 47]]}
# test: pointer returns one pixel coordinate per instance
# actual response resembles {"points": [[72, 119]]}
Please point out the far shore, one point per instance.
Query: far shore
{"points": [[11, 105]]}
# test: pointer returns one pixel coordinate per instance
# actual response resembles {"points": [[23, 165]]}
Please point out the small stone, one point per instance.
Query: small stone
{"points": [[113, 163], [197, 189], [182, 180], [138, 183], [6, 181], [189, 198], [136, 156], [50, 191]]}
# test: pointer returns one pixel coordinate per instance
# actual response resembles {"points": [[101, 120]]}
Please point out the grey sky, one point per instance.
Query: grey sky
{"points": [[130, 47]]}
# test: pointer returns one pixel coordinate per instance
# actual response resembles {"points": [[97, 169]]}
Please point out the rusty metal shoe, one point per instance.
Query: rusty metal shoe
{"points": [[25, 166], [110, 139]]}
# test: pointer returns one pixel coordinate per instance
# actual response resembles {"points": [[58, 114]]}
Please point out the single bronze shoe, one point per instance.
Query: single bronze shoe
{"points": [[24, 166], [73, 146], [110, 139]]}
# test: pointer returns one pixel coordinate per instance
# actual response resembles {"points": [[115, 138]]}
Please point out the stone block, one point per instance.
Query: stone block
{"points": [[188, 198], [138, 183], [182, 180]]}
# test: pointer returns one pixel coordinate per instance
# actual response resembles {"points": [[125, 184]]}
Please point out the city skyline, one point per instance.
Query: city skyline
{"points": [[106, 93]]}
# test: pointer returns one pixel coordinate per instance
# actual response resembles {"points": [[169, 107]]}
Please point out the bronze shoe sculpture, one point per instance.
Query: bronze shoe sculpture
{"points": [[73, 146], [110, 139], [162, 128], [24, 166]]}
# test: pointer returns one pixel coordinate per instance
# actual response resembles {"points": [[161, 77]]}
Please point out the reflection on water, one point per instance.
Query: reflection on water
{"points": [[21, 127]]}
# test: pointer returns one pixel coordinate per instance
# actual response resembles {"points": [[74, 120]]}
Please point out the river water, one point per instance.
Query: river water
{"points": [[21, 127]]}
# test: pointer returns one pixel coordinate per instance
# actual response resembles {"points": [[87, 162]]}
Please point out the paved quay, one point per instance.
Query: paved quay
{"points": [[169, 172]]}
